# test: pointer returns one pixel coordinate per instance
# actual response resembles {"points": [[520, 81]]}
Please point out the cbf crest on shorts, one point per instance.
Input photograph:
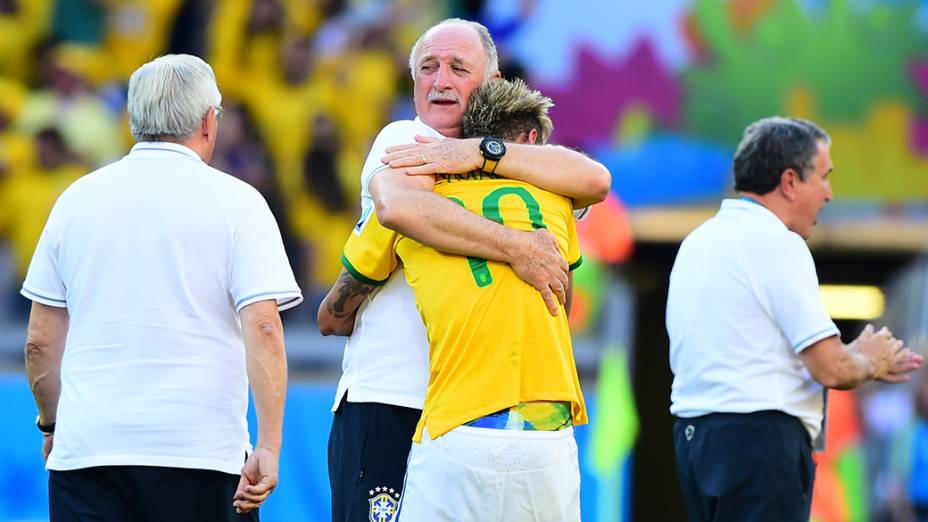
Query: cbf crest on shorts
{"points": [[384, 503]]}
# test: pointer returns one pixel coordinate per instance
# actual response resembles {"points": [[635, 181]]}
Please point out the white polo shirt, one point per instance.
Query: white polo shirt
{"points": [[387, 356], [743, 303], [154, 256]]}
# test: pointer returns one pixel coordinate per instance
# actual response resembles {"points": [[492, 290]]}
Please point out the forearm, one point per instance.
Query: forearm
{"points": [[849, 371], [44, 376], [45, 340], [439, 223], [557, 169], [266, 364], [337, 312]]}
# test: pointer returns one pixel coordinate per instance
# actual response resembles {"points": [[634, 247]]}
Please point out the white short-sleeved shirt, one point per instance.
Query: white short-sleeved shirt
{"points": [[743, 303], [154, 256], [387, 356]]}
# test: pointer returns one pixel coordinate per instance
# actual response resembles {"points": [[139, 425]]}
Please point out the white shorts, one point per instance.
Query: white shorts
{"points": [[492, 475]]}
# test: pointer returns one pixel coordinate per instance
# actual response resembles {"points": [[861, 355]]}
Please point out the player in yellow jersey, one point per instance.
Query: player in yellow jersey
{"points": [[495, 441]]}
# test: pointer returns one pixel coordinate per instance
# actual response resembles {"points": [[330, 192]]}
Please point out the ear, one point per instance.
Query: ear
{"points": [[532, 136], [496, 76], [788, 181], [206, 123]]}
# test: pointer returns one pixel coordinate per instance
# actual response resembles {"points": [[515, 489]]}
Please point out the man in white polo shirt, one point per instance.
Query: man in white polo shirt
{"points": [[751, 345], [382, 390], [156, 287]]}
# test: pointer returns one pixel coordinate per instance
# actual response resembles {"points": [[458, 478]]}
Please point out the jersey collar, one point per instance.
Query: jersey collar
{"points": [[164, 146]]}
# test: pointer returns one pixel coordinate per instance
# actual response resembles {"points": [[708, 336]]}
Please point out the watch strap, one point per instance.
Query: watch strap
{"points": [[49, 428]]}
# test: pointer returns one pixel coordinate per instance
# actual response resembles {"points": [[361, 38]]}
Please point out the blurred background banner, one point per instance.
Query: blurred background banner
{"points": [[658, 91]]}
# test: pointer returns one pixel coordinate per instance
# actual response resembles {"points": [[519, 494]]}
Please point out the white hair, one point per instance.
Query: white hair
{"points": [[489, 46], [168, 97]]}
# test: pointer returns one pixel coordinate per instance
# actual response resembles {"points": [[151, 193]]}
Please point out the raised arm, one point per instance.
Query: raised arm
{"points": [[407, 205], [550, 167], [45, 338], [266, 362]]}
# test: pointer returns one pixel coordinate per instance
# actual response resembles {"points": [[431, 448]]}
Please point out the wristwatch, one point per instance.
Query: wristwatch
{"points": [[492, 149], [44, 429]]}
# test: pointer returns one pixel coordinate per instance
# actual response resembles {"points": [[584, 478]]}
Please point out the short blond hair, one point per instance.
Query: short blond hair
{"points": [[507, 109]]}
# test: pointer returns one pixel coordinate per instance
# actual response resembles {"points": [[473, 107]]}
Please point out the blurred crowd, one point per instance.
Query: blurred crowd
{"points": [[306, 86]]}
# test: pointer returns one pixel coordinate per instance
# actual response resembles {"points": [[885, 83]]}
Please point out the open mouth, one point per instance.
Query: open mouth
{"points": [[444, 103]]}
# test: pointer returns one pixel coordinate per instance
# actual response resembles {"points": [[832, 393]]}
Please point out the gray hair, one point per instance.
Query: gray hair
{"points": [[772, 145], [489, 46], [507, 109], [168, 97]]}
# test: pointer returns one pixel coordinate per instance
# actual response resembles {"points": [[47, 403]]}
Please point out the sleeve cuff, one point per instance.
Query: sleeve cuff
{"points": [[581, 213], [359, 276], [816, 337], [576, 264], [43, 298], [285, 299]]}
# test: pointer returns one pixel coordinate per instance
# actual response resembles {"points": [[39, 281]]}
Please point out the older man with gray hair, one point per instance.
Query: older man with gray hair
{"points": [[751, 345], [156, 287]]}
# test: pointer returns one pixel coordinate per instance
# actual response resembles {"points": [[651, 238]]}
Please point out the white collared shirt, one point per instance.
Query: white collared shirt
{"points": [[743, 303], [153, 256], [387, 356]]}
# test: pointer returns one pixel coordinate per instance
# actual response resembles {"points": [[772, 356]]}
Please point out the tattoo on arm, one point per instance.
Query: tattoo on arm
{"points": [[350, 294]]}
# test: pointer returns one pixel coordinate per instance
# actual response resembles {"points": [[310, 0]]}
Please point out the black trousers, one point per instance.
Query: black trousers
{"points": [[745, 467], [143, 494], [368, 447]]}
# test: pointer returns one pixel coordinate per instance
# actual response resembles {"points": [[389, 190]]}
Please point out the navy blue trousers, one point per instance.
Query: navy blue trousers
{"points": [[745, 467], [143, 494], [368, 449]]}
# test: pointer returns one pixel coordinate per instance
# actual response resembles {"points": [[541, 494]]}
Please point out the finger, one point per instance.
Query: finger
{"points": [[423, 170], [884, 332], [426, 139], [265, 486], [550, 301], [242, 482], [561, 294], [407, 161], [868, 331], [894, 378], [399, 148], [245, 507], [250, 497]]}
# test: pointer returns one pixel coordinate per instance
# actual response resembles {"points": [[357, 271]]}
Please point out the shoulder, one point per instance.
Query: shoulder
{"points": [[83, 187], [229, 183], [400, 130]]}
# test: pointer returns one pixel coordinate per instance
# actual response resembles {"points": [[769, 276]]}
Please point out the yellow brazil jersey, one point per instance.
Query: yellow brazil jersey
{"points": [[492, 342]]}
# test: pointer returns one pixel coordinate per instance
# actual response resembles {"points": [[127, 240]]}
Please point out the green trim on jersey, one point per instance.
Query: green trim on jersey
{"points": [[576, 264], [358, 275]]}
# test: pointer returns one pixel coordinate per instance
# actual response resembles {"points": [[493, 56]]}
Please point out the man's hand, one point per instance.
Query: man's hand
{"points": [[435, 156], [890, 360], [537, 260], [259, 478], [48, 440]]}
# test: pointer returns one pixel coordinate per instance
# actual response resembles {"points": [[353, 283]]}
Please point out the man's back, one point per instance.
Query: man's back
{"points": [[743, 302], [493, 343], [154, 255]]}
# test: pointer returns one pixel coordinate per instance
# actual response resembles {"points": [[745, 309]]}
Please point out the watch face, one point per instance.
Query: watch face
{"points": [[494, 147]]}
